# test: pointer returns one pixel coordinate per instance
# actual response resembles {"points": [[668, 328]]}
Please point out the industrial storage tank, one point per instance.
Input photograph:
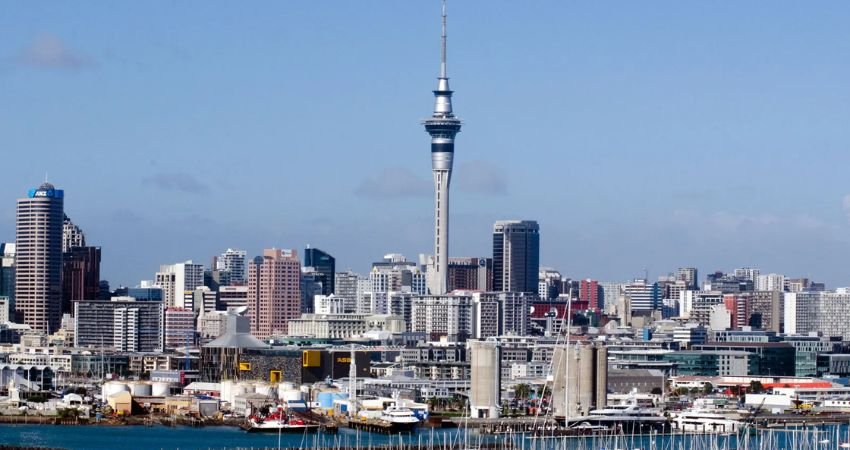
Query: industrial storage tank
{"points": [[161, 389], [227, 391], [113, 387], [586, 380], [141, 389], [485, 387]]}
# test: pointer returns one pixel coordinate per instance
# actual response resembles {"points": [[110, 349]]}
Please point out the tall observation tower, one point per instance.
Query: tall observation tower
{"points": [[442, 126]]}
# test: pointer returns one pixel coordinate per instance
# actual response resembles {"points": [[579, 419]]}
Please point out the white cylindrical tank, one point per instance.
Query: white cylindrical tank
{"points": [[227, 391], [161, 389], [140, 389], [113, 387]]}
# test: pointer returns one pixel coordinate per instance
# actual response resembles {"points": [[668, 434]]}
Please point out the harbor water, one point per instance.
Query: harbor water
{"points": [[185, 438]]}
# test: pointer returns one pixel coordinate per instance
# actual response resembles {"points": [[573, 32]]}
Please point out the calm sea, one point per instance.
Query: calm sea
{"points": [[160, 437]]}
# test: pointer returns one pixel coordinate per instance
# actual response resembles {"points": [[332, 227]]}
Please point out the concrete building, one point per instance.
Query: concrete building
{"points": [[766, 310], [643, 296], [486, 313], [231, 267], [770, 282], [179, 327], [176, 279], [689, 275], [345, 287], [72, 235], [485, 388], [443, 316], [825, 312], [591, 292], [274, 292], [696, 305], [328, 304], [125, 325], [38, 253], [516, 255], [344, 326], [550, 284]]}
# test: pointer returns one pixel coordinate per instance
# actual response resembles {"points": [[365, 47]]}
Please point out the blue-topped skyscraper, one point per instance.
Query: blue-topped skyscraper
{"points": [[442, 126], [38, 271]]}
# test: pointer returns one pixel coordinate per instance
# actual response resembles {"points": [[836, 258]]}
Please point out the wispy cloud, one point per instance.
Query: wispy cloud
{"points": [[181, 182], [50, 52], [482, 177], [394, 182]]}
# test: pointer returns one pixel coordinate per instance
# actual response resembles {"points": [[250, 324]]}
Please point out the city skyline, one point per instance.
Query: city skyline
{"points": [[724, 144]]}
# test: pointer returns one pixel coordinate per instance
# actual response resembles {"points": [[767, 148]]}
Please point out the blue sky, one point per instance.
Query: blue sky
{"points": [[639, 134]]}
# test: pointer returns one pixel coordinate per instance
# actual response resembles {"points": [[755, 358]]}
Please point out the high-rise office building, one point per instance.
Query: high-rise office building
{"points": [[38, 271], [323, 265], [274, 292], [80, 276], [516, 255], [470, 274], [7, 276], [643, 296], [442, 126]]}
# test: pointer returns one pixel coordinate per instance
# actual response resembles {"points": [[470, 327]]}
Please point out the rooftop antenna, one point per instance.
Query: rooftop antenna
{"points": [[443, 45]]}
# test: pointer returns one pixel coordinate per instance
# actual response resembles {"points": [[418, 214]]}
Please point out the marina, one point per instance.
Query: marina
{"points": [[187, 438]]}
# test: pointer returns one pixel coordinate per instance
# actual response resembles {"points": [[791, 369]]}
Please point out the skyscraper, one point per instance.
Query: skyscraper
{"points": [[324, 266], [7, 276], [442, 126], [80, 276], [38, 274], [80, 267], [516, 255], [274, 294]]}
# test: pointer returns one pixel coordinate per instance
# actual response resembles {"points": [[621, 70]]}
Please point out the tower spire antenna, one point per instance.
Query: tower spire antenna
{"points": [[443, 45]]}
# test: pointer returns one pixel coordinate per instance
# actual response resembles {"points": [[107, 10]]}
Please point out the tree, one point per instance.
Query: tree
{"points": [[707, 388], [522, 391], [756, 387]]}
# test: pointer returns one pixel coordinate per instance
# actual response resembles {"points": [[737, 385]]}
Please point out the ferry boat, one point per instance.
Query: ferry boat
{"points": [[278, 421], [400, 418]]}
